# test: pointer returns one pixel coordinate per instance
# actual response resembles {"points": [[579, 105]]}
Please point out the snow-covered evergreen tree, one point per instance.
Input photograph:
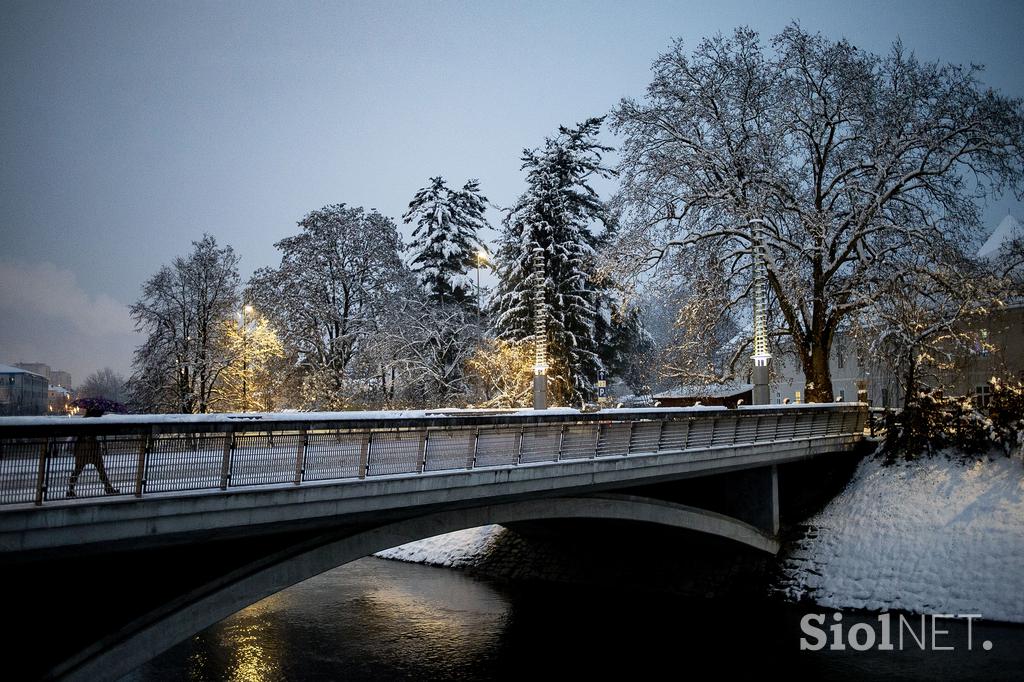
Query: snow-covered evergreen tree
{"points": [[446, 239], [554, 217]]}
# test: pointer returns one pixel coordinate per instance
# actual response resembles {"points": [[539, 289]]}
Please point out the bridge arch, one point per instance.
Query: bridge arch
{"points": [[158, 631]]}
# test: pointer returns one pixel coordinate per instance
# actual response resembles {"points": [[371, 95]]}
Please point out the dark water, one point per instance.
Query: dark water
{"points": [[384, 620]]}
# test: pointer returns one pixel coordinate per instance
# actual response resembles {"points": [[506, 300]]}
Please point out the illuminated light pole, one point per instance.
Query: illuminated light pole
{"points": [[481, 258], [247, 310], [540, 334], [761, 394]]}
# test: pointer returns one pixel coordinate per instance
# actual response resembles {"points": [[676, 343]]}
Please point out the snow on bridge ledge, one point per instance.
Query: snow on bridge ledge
{"points": [[440, 414], [124, 425]]}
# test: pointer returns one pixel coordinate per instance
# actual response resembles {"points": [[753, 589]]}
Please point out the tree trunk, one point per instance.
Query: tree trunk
{"points": [[910, 379], [818, 374]]}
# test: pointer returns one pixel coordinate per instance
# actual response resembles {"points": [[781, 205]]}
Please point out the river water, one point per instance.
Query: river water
{"points": [[384, 620]]}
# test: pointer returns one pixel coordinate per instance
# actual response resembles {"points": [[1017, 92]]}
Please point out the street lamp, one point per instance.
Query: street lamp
{"points": [[481, 258]]}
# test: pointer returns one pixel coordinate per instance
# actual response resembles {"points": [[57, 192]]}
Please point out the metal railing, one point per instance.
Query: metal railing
{"points": [[49, 459]]}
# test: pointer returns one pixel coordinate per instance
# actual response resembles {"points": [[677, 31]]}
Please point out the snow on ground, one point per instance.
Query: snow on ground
{"points": [[931, 536], [455, 550]]}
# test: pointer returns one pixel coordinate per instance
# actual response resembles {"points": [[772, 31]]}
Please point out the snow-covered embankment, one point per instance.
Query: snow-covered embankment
{"points": [[929, 536]]}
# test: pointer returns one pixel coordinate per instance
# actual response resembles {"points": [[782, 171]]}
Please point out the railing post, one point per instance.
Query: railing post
{"points": [[474, 443], [41, 475], [597, 439], [225, 467], [561, 439], [519, 444], [421, 454], [629, 439], [140, 468], [661, 434], [364, 454], [300, 456]]}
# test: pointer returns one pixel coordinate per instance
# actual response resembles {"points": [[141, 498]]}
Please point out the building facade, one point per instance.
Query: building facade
{"points": [[56, 377], [59, 400], [22, 392]]}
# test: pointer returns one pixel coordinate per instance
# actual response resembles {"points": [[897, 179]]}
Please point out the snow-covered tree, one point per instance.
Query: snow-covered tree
{"points": [[701, 348], [500, 373], [833, 160], [430, 344], [926, 320], [338, 281], [104, 383], [555, 218], [445, 240], [182, 311], [251, 381]]}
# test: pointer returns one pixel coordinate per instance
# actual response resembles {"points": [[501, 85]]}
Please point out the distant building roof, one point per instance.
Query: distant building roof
{"points": [[59, 389], [1007, 231], [706, 391], [8, 369]]}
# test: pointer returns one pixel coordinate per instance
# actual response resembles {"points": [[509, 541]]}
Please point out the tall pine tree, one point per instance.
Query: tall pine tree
{"points": [[445, 239], [555, 217]]}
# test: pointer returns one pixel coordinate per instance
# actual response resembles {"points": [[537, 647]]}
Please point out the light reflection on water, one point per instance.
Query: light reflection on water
{"points": [[250, 646], [345, 623]]}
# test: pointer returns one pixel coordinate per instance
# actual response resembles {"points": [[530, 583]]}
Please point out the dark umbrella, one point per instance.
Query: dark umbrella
{"points": [[96, 407]]}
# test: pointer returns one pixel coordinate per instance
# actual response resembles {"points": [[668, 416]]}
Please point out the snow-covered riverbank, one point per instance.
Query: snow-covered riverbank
{"points": [[931, 536], [461, 549]]}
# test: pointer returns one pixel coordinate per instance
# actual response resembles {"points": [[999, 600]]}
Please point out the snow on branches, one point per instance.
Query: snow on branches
{"points": [[835, 160], [445, 240], [554, 217]]}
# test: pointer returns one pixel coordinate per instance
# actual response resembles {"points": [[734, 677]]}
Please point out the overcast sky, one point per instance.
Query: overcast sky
{"points": [[129, 129]]}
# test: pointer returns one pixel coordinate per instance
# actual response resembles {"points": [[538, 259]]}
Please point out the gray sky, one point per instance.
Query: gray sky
{"points": [[128, 129]]}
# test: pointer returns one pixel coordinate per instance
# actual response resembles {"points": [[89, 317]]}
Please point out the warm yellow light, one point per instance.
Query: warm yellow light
{"points": [[481, 256], [248, 310]]}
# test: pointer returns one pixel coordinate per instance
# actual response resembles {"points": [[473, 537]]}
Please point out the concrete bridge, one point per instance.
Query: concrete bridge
{"points": [[196, 517]]}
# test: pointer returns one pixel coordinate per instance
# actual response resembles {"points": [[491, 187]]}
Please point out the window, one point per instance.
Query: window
{"points": [[885, 397], [982, 395]]}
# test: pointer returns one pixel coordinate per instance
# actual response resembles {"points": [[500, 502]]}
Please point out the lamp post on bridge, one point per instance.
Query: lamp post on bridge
{"points": [[761, 393], [246, 310], [540, 334]]}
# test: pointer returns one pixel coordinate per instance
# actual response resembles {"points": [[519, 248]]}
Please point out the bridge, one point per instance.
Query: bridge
{"points": [[198, 516]]}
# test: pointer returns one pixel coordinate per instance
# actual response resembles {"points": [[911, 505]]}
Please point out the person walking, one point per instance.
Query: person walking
{"points": [[87, 451]]}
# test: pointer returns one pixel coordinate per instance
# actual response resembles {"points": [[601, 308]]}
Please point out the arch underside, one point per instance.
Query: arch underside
{"points": [[194, 612]]}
